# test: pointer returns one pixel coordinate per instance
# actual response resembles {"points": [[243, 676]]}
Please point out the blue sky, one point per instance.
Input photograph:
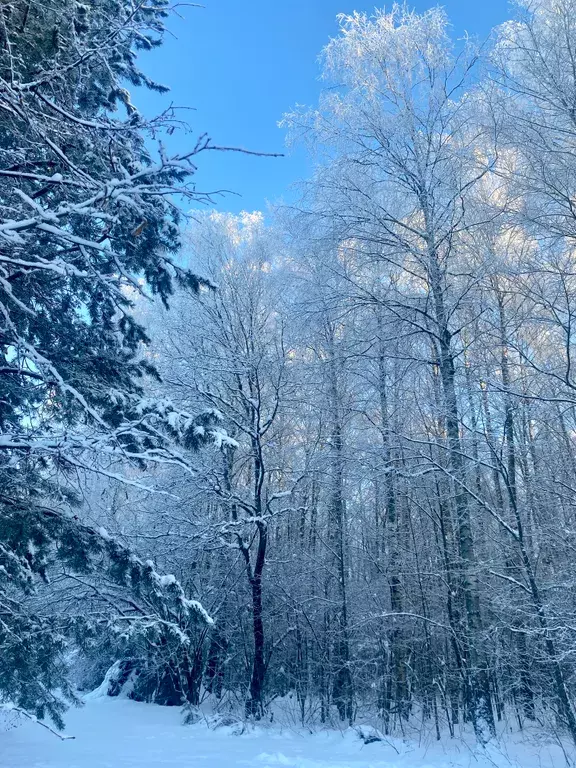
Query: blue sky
{"points": [[242, 63]]}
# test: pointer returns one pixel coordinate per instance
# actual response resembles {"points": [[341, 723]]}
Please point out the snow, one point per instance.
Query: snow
{"points": [[120, 733], [222, 438], [167, 579], [104, 534], [199, 608]]}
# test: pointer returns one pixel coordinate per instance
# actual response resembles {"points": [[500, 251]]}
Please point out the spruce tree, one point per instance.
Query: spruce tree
{"points": [[87, 222]]}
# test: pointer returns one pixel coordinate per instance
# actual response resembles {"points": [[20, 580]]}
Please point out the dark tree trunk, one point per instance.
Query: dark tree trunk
{"points": [[255, 700]]}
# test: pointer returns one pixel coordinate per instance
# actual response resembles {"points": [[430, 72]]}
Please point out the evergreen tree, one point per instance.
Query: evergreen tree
{"points": [[86, 223]]}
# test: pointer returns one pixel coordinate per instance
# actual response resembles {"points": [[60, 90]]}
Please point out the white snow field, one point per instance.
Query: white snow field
{"points": [[119, 733]]}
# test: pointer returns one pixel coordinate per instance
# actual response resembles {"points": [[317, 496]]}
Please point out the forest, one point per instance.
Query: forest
{"points": [[314, 465]]}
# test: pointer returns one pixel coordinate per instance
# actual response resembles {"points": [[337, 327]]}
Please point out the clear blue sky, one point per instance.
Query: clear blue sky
{"points": [[242, 63]]}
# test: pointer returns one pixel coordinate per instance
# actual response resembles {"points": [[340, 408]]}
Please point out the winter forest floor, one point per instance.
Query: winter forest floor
{"points": [[119, 733]]}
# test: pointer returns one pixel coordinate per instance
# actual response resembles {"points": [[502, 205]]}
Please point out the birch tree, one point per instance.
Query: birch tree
{"points": [[398, 187]]}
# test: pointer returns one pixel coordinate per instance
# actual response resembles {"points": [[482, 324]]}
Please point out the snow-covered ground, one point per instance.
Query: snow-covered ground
{"points": [[119, 733]]}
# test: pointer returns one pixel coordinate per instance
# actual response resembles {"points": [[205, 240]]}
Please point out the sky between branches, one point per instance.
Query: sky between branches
{"points": [[242, 63]]}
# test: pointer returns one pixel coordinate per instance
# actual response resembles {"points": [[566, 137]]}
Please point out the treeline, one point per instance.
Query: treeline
{"points": [[391, 530]]}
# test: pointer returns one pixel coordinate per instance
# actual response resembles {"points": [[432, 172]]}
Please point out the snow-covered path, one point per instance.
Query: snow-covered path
{"points": [[119, 733]]}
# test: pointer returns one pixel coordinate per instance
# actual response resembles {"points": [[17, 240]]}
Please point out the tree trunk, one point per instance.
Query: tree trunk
{"points": [[480, 705], [399, 683], [342, 691], [255, 700]]}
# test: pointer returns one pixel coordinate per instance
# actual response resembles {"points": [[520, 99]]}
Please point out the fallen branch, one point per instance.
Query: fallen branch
{"points": [[30, 716]]}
